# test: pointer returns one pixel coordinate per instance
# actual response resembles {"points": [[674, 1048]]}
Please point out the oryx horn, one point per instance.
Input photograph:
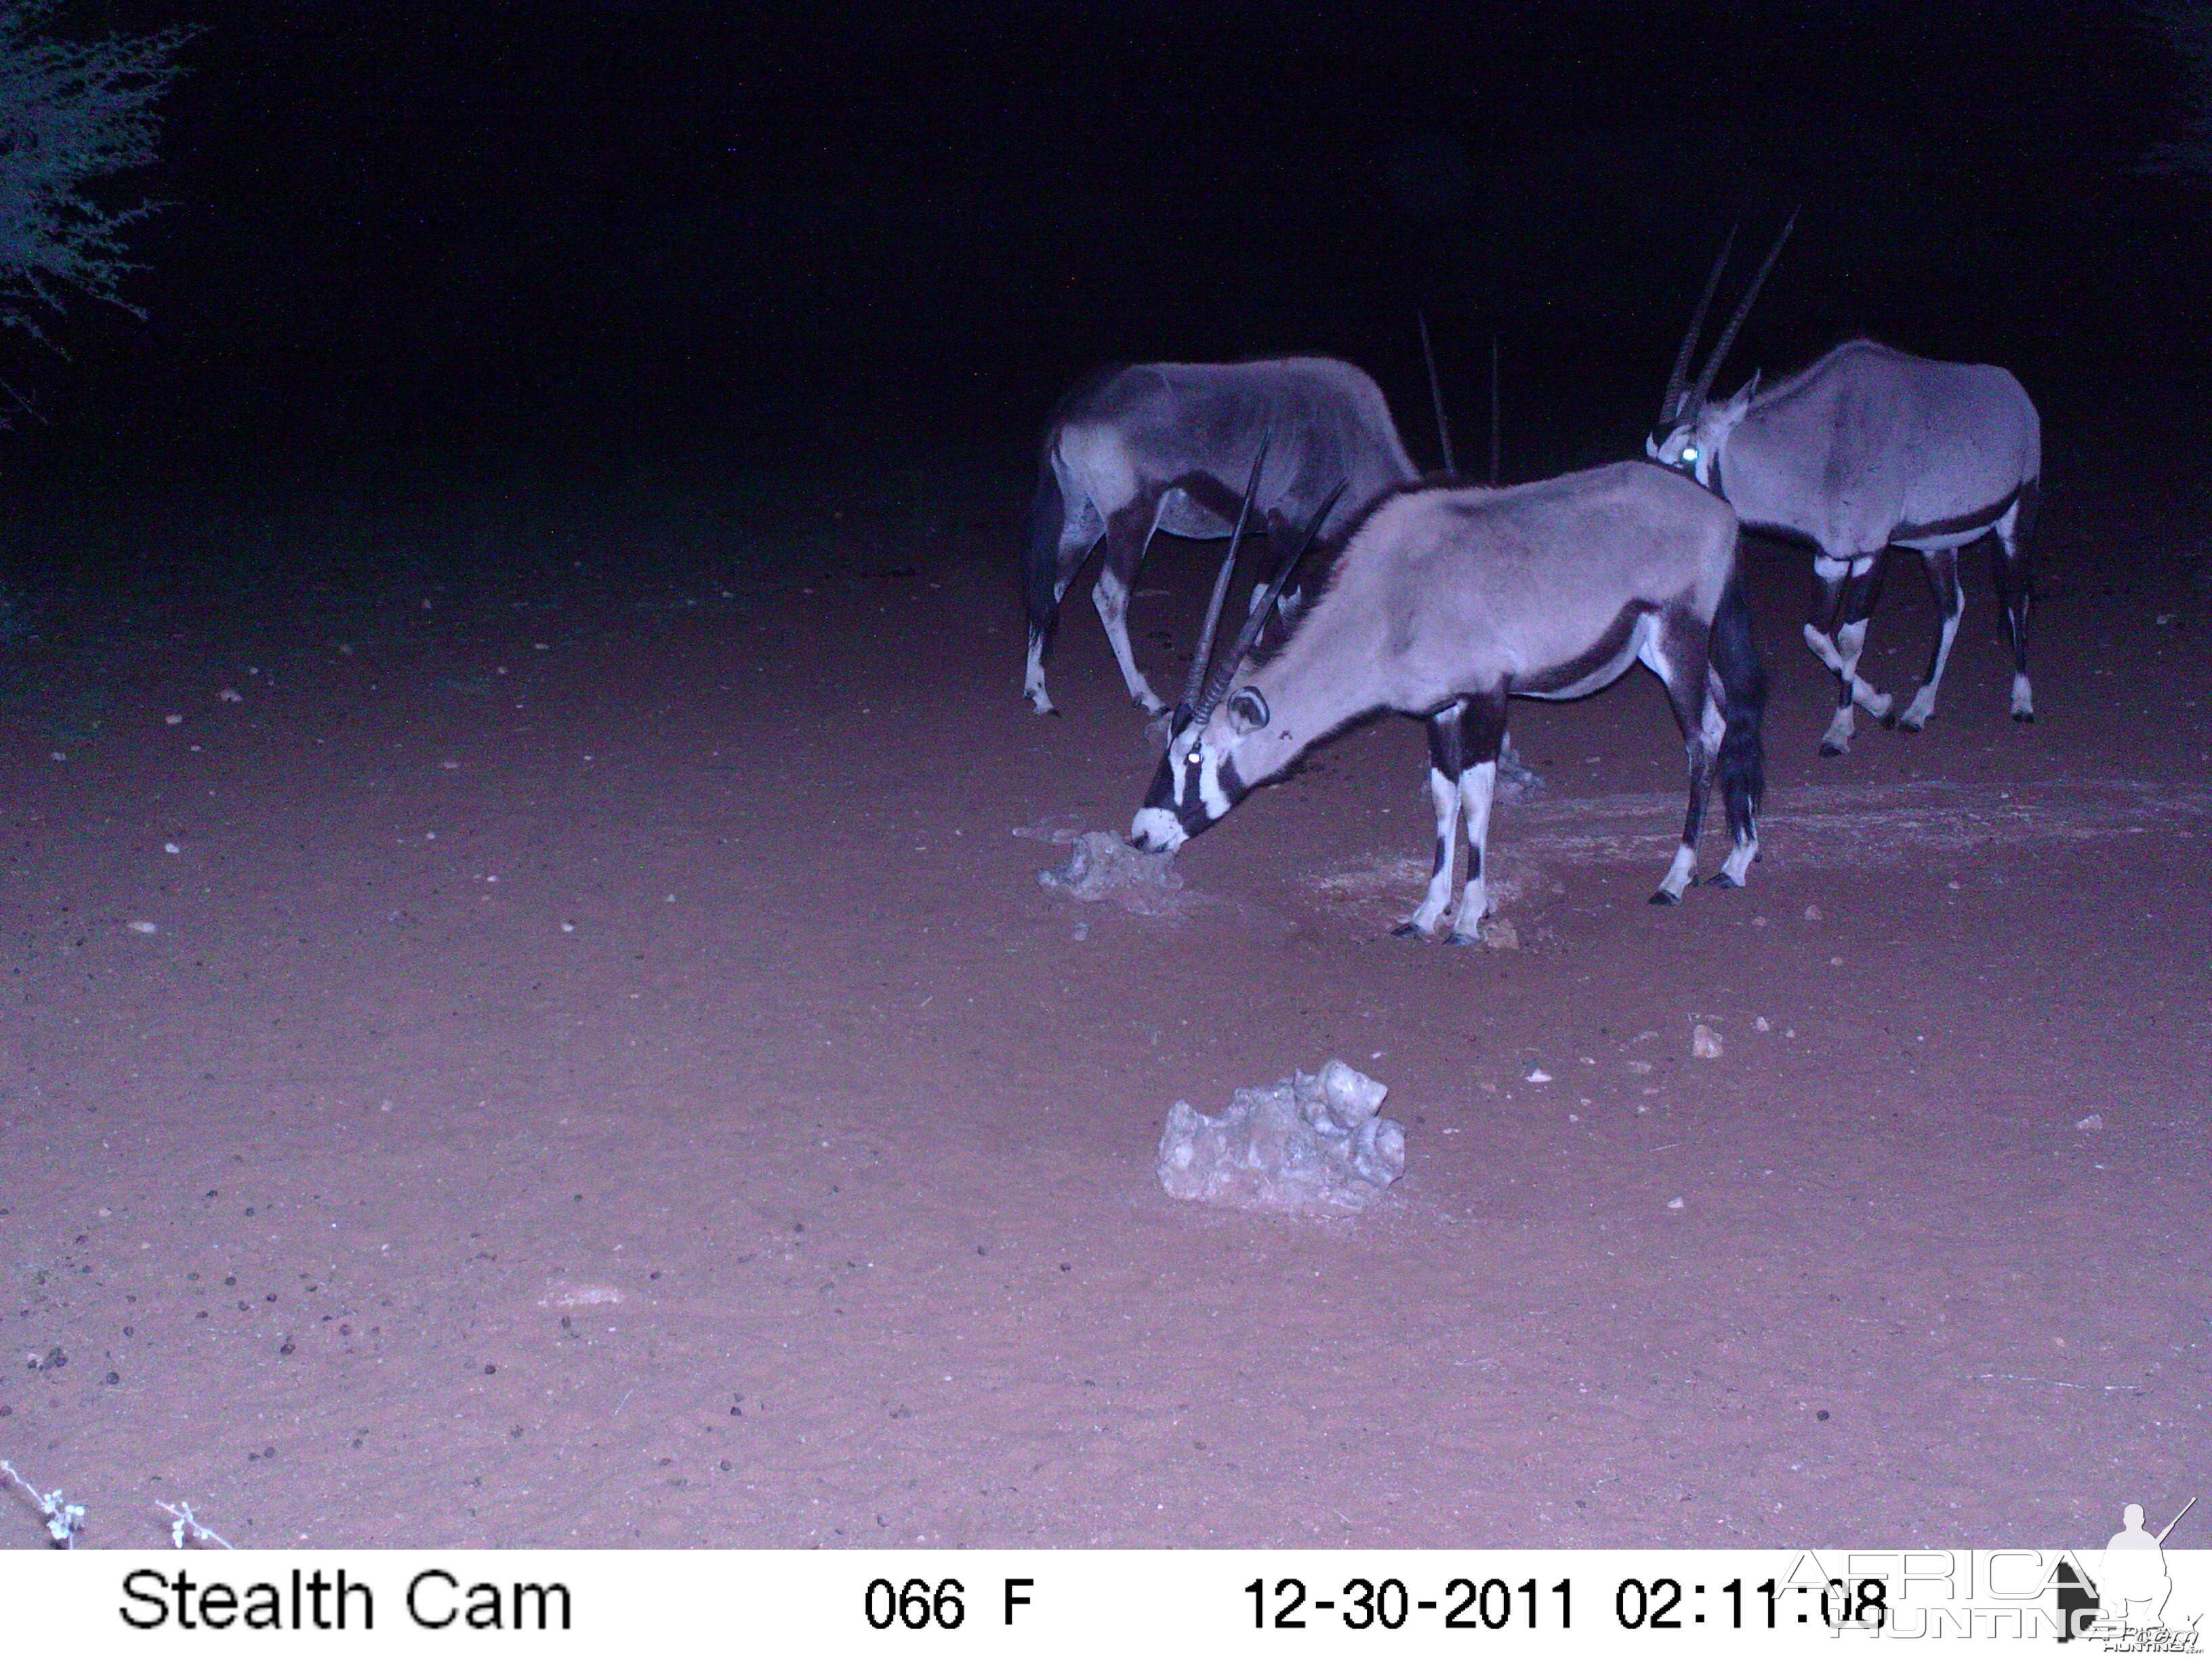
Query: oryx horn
{"points": [[1437, 393], [1203, 659], [1697, 397], [1678, 378], [1258, 618]]}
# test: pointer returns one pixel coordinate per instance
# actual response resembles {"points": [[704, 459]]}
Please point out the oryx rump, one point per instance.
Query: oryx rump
{"points": [[1868, 449], [1167, 446], [1446, 601]]}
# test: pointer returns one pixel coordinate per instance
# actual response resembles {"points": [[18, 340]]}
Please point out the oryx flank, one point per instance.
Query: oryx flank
{"points": [[1167, 446], [1868, 449], [1446, 602]]}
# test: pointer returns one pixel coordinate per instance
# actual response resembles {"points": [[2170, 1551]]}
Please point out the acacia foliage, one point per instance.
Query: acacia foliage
{"points": [[73, 115]]}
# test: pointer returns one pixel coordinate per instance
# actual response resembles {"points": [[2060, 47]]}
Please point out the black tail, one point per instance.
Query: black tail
{"points": [[1041, 554], [1733, 653]]}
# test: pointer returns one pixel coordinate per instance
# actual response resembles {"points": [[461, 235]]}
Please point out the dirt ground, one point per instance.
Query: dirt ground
{"points": [[484, 1068]]}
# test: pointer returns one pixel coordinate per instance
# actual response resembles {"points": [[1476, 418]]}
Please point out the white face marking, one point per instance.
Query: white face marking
{"points": [[1156, 829]]}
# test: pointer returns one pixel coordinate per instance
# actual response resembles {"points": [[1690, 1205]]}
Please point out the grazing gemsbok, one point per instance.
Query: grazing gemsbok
{"points": [[1166, 446], [1868, 449], [1446, 602]]}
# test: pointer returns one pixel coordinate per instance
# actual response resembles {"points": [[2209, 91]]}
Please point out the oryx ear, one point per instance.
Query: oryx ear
{"points": [[1247, 711]]}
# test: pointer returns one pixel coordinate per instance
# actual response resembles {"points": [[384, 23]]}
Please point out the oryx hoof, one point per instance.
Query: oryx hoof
{"points": [[1662, 897], [1893, 719], [1463, 939], [1723, 879], [2023, 719], [1832, 749], [1409, 930]]}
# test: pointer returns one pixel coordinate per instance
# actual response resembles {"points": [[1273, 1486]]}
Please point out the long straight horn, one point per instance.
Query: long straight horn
{"points": [[1435, 393], [1253, 623], [1204, 658], [1697, 397], [1678, 378]]}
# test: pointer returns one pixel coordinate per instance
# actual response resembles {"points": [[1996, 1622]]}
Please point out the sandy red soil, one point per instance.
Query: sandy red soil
{"points": [[610, 1075]]}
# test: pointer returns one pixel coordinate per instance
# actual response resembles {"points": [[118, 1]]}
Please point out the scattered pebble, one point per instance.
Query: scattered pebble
{"points": [[449, 766], [2094, 1121], [1811, 913], [568, 927], [1641, 1067], [1835, 962], [1705, 1042], [172, 719], [1760, 1024], [229, 695], [170, 847], [1952, 886], [142, 927], [1498, 932], [1674, 1203], [1539, 1075]]}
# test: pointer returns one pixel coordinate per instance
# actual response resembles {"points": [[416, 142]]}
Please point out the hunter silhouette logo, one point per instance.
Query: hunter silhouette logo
{"points": [[2123, 1609]]}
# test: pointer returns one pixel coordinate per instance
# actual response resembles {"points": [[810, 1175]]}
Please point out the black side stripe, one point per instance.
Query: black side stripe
{"points": [[1980, 519]]}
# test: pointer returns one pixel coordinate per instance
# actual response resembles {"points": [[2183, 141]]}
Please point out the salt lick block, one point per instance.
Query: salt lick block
{"points": [[1309, 1146]]}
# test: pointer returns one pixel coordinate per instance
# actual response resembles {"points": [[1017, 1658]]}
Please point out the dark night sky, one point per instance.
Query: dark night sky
{"points": [[626, 229]]}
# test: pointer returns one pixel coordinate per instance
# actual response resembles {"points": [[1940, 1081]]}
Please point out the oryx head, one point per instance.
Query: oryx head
{"points": [[1197, 781], [1691, 432], [1694, 444]]}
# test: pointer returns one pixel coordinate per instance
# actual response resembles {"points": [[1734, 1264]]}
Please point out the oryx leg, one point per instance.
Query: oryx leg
{"points": [[1831, 582], [1482, 735], [1077, 536], [1860, 587], [2015, 585], [1942, 564], [1675, 650], [1447, 761], [1128, 538]]}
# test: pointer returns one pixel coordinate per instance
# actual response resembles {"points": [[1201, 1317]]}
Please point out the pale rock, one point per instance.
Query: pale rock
{"points": [[1309, 1146]]}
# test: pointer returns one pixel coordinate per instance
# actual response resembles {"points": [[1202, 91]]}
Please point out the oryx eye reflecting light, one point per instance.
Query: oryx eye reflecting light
{"points": [[1691, 454]]}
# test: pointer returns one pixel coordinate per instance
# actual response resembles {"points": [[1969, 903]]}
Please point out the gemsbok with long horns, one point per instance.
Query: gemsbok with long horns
{"points": [[1164, 447], [1447, 601], [1868, 449]]}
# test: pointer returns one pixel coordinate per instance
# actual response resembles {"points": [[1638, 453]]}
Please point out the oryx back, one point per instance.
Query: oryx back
{"points": [[1871, 447]]}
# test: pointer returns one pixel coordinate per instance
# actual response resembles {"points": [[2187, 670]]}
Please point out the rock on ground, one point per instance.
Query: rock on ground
{"points": [[1309, 1146], [1101, 866]]}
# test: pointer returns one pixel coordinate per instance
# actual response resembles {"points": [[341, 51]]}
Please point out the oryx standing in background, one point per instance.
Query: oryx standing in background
{"points": [[1166, 446], [1447, 601], [1868, 449]]}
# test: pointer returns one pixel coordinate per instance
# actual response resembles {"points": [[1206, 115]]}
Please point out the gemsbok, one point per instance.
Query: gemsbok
{"points": [[1133, 451], [1868, 449], [1447, 601]]}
